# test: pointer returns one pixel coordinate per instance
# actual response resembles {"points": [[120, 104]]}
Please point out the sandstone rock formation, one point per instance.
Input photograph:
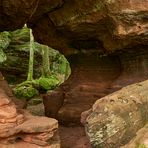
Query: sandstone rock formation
{"points": [[14, 14], [114, 120], [94, 77], [116, 24], [140, 140], [18, 126], [65, 25], [101, 25]]}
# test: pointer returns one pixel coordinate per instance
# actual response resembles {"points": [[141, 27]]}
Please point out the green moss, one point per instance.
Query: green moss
{"points": [[17, 51], [29, 89], [141, 146], [35, 101], [48, 83], [4, 39], [16, 45], [3, 56], [25, 90], [4, 43], [61, 67]]}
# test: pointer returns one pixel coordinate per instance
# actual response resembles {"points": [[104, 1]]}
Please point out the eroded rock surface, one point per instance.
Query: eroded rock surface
{"points": [[18, 125], [64, 25], [114, 119], [14, 13], [90, 79], [115, 23], [94, 77], [140, 140]]}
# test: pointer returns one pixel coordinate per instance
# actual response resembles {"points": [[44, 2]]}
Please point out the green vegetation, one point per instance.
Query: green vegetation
{"points": [[4, 43], [48, 83], [141, 146], [25, 91], [55, 68]]}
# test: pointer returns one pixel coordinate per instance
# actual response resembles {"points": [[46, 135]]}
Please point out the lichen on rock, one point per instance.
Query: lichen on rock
{"points": [[115, 119]]}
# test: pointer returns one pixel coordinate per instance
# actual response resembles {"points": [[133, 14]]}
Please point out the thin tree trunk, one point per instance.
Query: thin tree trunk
{"points": [[31, 57]]}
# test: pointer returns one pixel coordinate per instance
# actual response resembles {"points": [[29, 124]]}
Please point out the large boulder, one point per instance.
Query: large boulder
{"points": [[114, 119], [14, 48]]}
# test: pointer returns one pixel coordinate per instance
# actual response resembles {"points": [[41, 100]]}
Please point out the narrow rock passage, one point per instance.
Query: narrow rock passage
{"points": [[92, 78]]}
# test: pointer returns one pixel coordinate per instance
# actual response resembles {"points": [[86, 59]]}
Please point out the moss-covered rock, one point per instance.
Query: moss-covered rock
{"points": [[16, 46], [25, 91], [17, 52], [49, 83], [4, 43], [4, 39]]}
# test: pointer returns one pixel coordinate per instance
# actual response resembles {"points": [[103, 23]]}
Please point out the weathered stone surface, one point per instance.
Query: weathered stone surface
{"points": [[22, 144], [64, 25], [18, 124], [53, 101], [116, 24], [94, 77], [73, 137], [90, 79], [115, 119], [140, 140]]}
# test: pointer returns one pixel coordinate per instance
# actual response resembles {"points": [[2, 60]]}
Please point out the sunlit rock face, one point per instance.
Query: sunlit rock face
{"points": [[19, 128], [114, 119], [115, 23]]}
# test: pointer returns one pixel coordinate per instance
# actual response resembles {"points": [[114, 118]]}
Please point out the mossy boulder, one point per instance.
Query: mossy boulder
{"points": [[16, 49], [48, 83], [25, 91], [17, 52]]}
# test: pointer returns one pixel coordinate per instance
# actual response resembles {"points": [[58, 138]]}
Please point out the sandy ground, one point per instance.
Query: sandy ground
{"points": [[73, 137]]}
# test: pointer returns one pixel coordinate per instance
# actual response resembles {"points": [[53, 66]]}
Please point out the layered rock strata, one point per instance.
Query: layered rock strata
{"points": [[17, 126], [64, 25], [94, 77]]}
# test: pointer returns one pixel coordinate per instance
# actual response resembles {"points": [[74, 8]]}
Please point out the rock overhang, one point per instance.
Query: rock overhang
{"points": [[117, 24]]}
